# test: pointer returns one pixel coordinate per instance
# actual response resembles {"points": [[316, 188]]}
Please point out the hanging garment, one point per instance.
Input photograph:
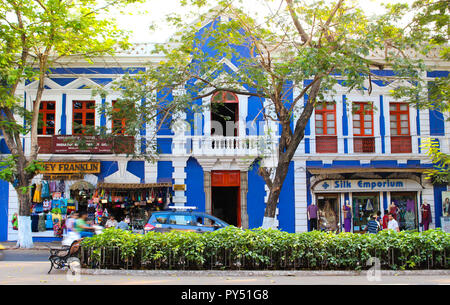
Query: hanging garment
{"points": [[37, 194], [47, 205], [15, 222], [34, 222], [426, 216], [52, 186], [49, 222], [45, 190], [41, 222], [61, 186], [369, 205]]}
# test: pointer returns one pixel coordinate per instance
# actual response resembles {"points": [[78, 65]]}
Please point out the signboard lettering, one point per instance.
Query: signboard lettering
{"points": [[71, 167]]}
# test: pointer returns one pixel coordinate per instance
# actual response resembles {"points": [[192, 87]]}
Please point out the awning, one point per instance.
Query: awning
{"points": [[125, 186], [82, 185]]}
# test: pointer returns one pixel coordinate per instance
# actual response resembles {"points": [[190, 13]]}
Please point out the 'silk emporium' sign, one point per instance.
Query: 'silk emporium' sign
{"points": [[367, 185]]}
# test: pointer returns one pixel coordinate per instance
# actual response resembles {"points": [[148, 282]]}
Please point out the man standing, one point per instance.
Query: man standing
{"points": [[393, 224]]}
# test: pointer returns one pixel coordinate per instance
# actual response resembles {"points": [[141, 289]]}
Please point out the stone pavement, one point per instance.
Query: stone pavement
{"points": [[11, 245]]}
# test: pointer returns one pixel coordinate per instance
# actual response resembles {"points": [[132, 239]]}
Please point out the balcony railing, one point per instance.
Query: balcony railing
{"points": [[401, 144], [249, 145], [326, 144], [364, 145]]}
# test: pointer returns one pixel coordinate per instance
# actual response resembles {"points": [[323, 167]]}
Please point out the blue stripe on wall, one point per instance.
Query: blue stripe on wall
{"points": [[438, 189], [4, 198], [255, 197], [165, 170], [286, 205], [195, 194], [63, 114]]}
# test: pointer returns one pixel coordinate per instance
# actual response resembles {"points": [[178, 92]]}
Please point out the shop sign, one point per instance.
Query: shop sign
{"points": [[70, 145], [364, 185], [179, 187], [71, 168]]}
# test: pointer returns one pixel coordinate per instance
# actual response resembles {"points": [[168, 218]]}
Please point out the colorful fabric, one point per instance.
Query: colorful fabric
{"points": [[312, 210]]}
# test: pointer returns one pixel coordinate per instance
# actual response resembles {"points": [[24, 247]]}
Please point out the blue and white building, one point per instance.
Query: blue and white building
{"points": [[374, 156]]}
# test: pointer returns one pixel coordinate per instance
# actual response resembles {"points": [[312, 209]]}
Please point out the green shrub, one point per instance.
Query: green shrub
{"points": [[233, 248]]}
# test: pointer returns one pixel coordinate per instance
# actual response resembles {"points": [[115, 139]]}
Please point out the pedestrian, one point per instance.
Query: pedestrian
{"points": [[82, 227], [393, 224], [123, 224], [385, 219], [111, 223], [373, 226]]}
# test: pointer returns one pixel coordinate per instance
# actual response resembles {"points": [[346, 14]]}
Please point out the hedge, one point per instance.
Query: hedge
{"points": [[233, 248]]}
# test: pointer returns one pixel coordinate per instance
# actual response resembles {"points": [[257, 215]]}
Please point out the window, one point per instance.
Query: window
{"points": [[399, 116], [362, 119], [325, 118], [364, 142], [83, 116], [182, 220], [46, 123], [400, 128], [118, 124], [224, 114]]}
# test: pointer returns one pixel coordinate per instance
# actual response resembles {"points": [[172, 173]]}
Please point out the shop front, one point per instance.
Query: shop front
{"points": [[352, 202], [60, 189], [133, 202]]}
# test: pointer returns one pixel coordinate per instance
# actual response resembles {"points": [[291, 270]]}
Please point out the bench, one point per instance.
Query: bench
{"points": [[59, 257]]}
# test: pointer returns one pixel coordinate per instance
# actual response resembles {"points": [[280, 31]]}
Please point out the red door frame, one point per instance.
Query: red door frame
{"points": [[228, 181]]}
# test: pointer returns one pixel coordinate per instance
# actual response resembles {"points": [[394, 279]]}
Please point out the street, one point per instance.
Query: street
{"points": [[23, 267]]}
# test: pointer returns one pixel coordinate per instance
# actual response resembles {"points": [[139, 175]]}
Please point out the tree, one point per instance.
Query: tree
{"points": [[36, 35], [299, 47]]}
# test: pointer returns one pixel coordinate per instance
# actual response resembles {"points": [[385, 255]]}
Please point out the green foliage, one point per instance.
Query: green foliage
{"points": [[441, 162], [232, 248]]}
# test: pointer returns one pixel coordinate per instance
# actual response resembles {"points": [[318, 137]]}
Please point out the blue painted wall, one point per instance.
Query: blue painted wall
{"points": [[107, 168], [165, 170], [4, 190], [438, 189], [195, 193], [255, 198], [286, 205], [137, 168]]}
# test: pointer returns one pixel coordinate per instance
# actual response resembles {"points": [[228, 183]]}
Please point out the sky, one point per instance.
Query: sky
{"points": [[137, 18]]}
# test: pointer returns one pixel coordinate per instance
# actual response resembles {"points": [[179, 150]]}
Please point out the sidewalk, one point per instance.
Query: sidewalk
{"points": [[11, 245]]}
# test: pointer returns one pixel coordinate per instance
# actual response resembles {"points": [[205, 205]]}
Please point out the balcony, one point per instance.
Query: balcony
{"points": [[401, 144], [228, 146], [326, 144], [364, 145], [68, 144]]}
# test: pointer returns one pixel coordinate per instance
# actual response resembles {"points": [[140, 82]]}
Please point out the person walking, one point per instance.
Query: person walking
{"points": [[82, 227], [393, 224]]}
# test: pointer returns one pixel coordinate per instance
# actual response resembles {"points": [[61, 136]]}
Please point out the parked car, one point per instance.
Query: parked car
{"points": [[183, 219]]}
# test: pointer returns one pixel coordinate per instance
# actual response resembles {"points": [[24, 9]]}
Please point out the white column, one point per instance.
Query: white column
{"points": [[179, 176], [301, 222]]}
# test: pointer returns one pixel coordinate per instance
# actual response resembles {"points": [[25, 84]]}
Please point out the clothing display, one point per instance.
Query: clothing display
{"points": [[405, 210], [312, 210], [426, 216], [348, 218]]}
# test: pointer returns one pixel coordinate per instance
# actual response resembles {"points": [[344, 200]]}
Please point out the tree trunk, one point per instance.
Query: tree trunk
{"points": [[24, 239], [288, 145]]}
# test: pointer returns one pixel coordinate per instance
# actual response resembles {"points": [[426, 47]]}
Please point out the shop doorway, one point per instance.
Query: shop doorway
{"points": [[406, 212], [328, 212], [364, 206], [225, 196]]}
